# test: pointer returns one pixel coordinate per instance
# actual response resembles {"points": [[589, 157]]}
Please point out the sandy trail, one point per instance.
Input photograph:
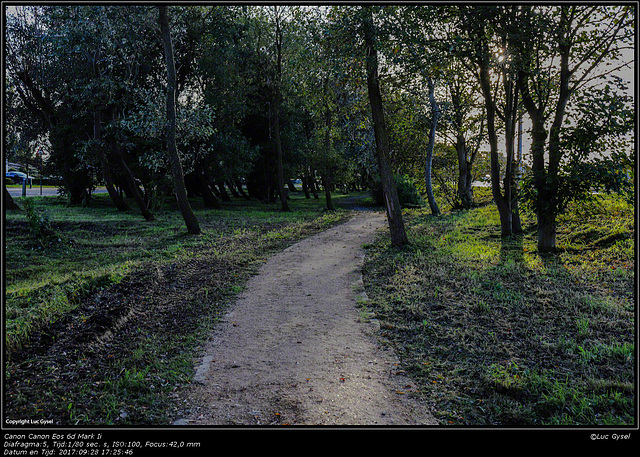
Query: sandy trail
{"points": [[295, 350]]}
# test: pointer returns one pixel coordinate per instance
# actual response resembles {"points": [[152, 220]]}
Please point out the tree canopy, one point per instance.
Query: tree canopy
{"points": [[203, 101]]}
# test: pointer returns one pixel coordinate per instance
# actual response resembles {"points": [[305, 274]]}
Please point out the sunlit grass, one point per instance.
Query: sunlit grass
{"points": [[498, 334]]}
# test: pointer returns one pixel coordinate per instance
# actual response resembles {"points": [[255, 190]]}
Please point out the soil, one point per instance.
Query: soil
{"points": [[295, 348]]}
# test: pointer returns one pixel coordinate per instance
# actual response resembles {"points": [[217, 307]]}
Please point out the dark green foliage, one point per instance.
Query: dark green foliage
{"points": [[408, 194]]}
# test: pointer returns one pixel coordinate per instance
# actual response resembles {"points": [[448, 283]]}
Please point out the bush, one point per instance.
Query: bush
{"points": [[407, 192], [39, 223]]}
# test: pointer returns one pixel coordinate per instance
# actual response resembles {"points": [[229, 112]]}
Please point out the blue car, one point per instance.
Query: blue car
{"points": [[16, 176]]}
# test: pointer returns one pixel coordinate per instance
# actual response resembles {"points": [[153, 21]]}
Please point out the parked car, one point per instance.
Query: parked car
{"points": [[16, 176]]}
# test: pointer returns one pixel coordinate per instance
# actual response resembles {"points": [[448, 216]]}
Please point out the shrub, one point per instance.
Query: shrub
{"points": [[407, 192], [39, 223]]}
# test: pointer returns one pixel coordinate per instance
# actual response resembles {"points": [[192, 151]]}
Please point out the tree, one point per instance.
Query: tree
{"points": [[279, 23], [272, 27], [392, 204], [189, 217], [419, 52], [489, 50], [326, 99], [39, 64], [561, 50], [435, 116], [463, 120]]}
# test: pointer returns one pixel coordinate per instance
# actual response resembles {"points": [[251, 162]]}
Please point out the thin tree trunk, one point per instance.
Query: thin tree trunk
{"points": [[392, 204], [510, 187], [502, 203], [176, 167], [327, 175], [208, 197], [313, 185], [465, 190], [305, 187], [131, 181], [284, 204], [106, 166], [326, 183], [435, 112], [241, 191]]}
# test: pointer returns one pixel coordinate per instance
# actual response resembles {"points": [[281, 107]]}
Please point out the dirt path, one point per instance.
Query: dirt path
{"points": [[295, 350]]}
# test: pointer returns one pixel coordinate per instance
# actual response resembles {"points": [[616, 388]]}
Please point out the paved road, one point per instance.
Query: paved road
{"points": [[46, 191]]}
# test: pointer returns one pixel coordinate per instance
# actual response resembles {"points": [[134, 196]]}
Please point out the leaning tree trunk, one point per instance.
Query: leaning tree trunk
{"points": [[131, 181], [222, 191], [392, 203], [106, 166], [176, 167], [208, 197], [241, 191], [9, 203]]}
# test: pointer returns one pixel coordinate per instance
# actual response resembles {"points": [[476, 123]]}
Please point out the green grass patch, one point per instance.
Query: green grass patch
{"points": [[497, 334]]}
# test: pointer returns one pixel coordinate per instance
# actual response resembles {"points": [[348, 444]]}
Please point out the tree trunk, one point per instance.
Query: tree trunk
{"points": [[503, 201], [435, 112], [313, 186], [131, 181], [466, 157], [208, 198], [326, 183], [9, 203], [546, 233], [465, 189], [176, 167], [392, 204], [222, 191], [544, 205], [284, 204], [241, 191], [106, 166], [305, 187]]}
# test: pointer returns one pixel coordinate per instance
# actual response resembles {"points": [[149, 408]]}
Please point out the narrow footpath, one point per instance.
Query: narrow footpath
{"points": [[295, 350]]}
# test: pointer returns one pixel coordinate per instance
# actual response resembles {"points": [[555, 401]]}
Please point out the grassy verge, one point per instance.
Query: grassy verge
{"points": [[496, 334], [104, 319]]}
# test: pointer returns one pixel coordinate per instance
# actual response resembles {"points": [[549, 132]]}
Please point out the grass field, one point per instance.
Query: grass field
{"points": [[496, 334], [106, 314]]}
